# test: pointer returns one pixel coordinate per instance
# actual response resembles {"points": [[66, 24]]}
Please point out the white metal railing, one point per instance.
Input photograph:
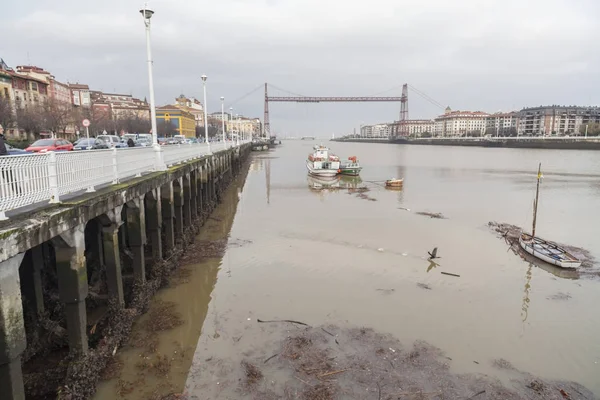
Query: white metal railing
{"points": [[32, 178]]}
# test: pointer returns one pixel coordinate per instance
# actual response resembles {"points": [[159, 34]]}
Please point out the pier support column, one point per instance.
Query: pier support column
{"points": [[112, 261], [31, 280], [178, 208], [187, 197], [153, 215], [12, 330], [166, 199], [193, 200], [73, 285], [136, 228]]}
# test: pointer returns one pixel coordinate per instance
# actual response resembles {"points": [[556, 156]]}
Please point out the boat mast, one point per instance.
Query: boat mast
{"points": [[537, 196]]}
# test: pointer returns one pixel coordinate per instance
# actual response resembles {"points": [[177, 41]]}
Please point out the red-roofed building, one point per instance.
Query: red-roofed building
{"points": [[461, 123]]}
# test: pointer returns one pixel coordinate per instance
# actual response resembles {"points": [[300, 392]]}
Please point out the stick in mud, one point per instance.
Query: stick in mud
{"points": [[476, 394], [448, 273], [273, 356], [283, 320], [327, 332]]}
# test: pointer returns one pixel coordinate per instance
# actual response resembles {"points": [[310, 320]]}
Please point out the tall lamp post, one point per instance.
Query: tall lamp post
{"points": [[204, 77], [223, 121], [160, 165]]}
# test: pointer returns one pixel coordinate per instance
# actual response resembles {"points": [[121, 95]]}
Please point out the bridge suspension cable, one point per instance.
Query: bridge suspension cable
{"points": [[426, 97]]}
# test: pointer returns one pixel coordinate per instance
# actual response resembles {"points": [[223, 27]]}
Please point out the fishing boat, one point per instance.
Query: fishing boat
{"points": [[394, 183], [543, 249], [351, 167], [321, 163]]}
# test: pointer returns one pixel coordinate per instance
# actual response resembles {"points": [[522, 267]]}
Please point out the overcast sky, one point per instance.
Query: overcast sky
{"points": [[484, 55]]}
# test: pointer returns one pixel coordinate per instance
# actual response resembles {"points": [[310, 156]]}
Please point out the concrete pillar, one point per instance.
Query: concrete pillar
{"points": [[178, 209], [136, 228], [12, 330], [112, 261], [193, 198], [73, 285], [187, 206], [152, 209], [166, 198], [31, 280]]}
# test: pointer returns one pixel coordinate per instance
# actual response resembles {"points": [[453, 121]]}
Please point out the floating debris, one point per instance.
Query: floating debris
{"points": [[432, 215]]}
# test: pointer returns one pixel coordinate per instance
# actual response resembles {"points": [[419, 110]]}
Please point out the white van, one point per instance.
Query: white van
{"points": [[179, 138]]}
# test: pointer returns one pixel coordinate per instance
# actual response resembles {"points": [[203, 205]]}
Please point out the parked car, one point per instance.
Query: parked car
{"points": [[162, 141], [44, 145], [143, 142], [90, 144], [112, 141], [13, 151]]}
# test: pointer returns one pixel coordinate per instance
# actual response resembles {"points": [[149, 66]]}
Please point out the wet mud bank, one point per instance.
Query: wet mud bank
{"points": [[50, 372], [332, 362]]}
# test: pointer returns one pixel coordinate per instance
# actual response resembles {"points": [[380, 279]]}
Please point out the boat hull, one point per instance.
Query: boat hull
{"points": [[320, 171], [548, 252], [352, 171]]}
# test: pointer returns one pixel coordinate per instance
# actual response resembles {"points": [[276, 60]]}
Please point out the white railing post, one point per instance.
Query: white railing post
{"points": [[53, 178], [159, 159], [115, 166], [3, 216]]}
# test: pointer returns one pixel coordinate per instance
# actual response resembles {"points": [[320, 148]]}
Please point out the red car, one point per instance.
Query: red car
{"points": [[44, 145]]}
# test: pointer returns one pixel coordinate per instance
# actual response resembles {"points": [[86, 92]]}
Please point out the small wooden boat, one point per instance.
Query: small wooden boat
{"points": [[350, 167], [395, 183], [543, 249]]}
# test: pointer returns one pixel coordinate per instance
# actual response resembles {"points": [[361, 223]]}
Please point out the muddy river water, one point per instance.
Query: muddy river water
{"points": [[299, 251]]}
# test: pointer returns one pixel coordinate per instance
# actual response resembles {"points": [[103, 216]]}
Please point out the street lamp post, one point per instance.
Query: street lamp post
{"points": [[230, 120], [239, 127], [223, 121], [160, 165], [204, 77]]}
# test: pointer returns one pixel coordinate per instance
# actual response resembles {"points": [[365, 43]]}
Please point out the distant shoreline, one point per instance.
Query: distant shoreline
{"points": [[521, 143]]}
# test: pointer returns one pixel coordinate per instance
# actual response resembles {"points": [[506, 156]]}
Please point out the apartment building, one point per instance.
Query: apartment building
{"points": [[121, 106], [379, 131], [502, 124], [556, 120], [460, 123]]}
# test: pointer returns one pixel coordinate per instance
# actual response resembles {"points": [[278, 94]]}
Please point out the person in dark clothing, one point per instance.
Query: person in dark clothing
{"points": [[130, 142], [3, 149], [6, 179]]}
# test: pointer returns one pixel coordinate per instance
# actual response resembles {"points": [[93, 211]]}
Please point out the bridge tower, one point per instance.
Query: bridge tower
{"points": [[402, 129], [266, 122]]}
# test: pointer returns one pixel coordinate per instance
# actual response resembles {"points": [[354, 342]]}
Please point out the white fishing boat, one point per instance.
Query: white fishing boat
{"points": [[543, 249], [321, 163]]}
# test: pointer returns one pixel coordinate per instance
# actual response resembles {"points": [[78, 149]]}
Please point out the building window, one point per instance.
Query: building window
{"points": [[33, 86]]}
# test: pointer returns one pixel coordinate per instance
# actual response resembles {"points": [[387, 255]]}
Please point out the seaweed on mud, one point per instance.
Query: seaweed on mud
{"points": [[431, 215], [162, 316], [252, 374]]}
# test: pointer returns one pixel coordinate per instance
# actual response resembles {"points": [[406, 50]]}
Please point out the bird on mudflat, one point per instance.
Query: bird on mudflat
{"points": [[433, 254]]}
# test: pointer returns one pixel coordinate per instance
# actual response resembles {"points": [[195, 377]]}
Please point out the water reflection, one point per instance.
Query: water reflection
{"points": [[432, 265], [351, 182], [525, 304]]}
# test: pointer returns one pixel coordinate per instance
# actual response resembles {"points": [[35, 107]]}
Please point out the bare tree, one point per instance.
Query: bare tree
{"points": [[7, 116], [212, 131], [31, 119], [593, 129], [57, 115], [132, 123]]}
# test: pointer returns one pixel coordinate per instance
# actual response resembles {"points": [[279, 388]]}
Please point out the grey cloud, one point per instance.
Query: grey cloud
{"points": [[470, 54]]}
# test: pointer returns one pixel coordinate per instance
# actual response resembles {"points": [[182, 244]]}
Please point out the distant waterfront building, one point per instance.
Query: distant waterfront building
{"points": [[556, 120], [183, 121], [121, 106], [80, 95], [219, 117], [241, 125], [502, 124], [192, 106], [460, 123], [417, 127], [379, 131]]}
